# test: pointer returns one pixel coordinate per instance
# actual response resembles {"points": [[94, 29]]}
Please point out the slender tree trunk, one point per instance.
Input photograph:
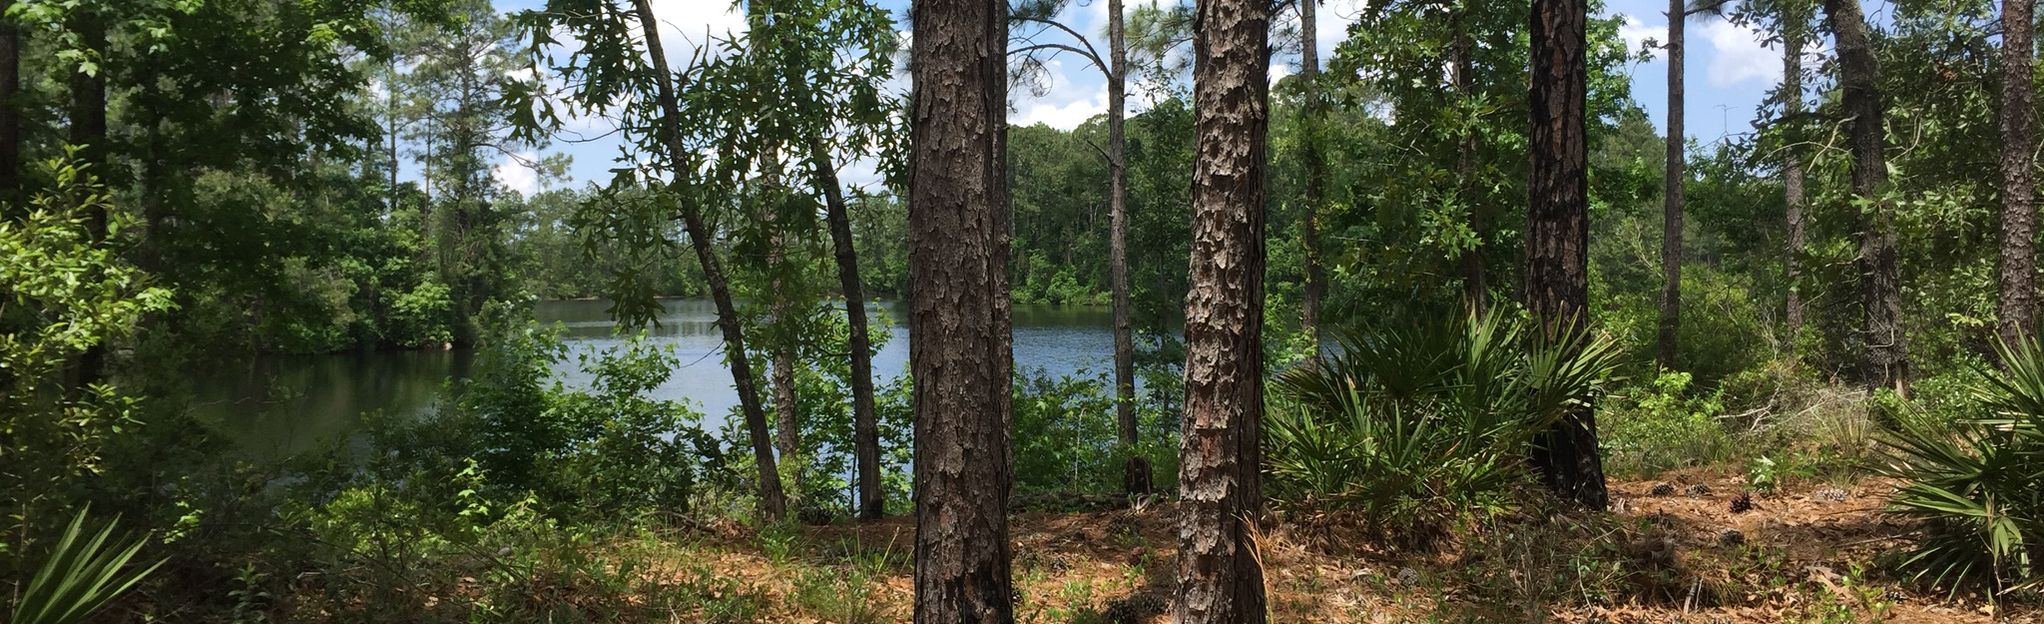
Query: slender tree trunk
{"points": [[960, 347], [1795, 27], [1219, 477], [772, 500], [865, 425], [1887, 357], [1557, 233], [1135, 468], [1671, 194], [2018, 306], [88, 130], [787, 421], [1475, 281], [10, 112], [1315, 161]]}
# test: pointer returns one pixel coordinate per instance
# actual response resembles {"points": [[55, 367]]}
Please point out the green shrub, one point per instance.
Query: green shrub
{"points": [[1977, 485], [1646, 431], [1414, 427], [1066, 438], [81, 576]]}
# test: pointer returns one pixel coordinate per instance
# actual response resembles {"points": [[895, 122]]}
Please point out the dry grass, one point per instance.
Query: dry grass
{"points": [[1805, 554]]}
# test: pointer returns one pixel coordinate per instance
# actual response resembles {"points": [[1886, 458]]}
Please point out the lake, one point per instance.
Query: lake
{"points": [[275, 406]]}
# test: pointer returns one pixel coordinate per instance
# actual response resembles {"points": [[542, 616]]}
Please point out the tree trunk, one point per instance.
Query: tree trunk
{"points": [[1475, 281], [1795, 26], [1557, 287], [960, 343], [2017, 310], [1219, 476], [787, 422], [10, 111], [1135, 468], [88, 131], [772, 501], [1671, 195], [1887, 357], [865, 425], [1314, 159]]}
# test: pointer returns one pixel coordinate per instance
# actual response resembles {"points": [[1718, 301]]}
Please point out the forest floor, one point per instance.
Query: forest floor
{"points": [[1807, 553]]}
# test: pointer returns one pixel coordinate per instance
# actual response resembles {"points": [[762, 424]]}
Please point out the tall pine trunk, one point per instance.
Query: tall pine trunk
{"points": [[1671, 195], [1557, 233], [1795, 26], [2017, 309], [1135, 468], [865, 425], [1219, 476], [787, 420], [772, 500], [1314, 159], [960, 350], [1887, 349]]}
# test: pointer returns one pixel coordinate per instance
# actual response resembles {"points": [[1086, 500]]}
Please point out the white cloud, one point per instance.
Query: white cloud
{"points": [[513, 174], [687, 24], [1740, 55], [1636, 32], [1064, 104], [1278, 71]]}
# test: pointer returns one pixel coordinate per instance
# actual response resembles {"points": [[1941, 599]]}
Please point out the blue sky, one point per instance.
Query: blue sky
{"points": [[1729, 71]]}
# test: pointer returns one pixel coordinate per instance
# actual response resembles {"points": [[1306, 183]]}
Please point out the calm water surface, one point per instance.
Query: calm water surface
{"points": [[278, 405]]}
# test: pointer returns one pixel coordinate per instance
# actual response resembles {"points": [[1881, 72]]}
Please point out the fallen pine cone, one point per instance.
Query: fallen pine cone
{"points": [[1742, 503]]}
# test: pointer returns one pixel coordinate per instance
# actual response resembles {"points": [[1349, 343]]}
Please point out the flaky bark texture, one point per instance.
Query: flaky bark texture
{"points": [[1671, 196], [787, 420], [1887, 357], [1219, 481], [1314, 192], [1794, 26], [772, 500], [865, 426], [959, 339], [1557, 233], [1136, 469], [2017, 309]]}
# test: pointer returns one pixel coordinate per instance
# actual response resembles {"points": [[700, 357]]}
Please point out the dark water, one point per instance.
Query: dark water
{"points": [[279, 405]]}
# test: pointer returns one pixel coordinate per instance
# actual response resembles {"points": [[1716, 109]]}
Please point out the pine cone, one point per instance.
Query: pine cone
{"points": [[1742, 503]]}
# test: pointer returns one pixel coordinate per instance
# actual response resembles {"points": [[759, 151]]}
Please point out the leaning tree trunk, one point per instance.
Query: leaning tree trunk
{"points": [[865, 426], [1671, 196], [772, 500], [1219, 478], [1557, 233], [1887, 356], [2017, 309], [1314, 159], [959, 350], [1794, 27], [1135, 477]]}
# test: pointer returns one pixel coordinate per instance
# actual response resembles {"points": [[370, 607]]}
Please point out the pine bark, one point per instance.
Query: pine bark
{"points": [[1887, 349], [88, 132], [1557, 282], [2017, 308], [1220, 481], [1795, 27], [787, 420], [1314, 159], [1671, 195], [772, 499], [960, 342], [865, 425], [1135, 468]]}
